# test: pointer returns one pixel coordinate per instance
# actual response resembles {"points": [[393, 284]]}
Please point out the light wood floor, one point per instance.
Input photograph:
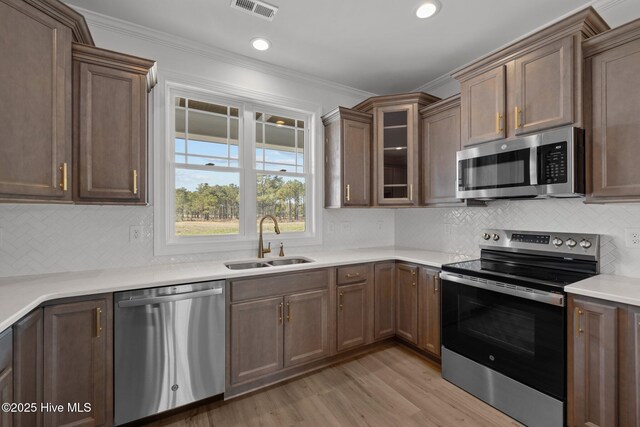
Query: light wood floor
{"points": [[390, 386]]}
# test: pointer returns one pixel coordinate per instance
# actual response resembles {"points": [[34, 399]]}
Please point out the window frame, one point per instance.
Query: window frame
{"points": [[165, 240]]}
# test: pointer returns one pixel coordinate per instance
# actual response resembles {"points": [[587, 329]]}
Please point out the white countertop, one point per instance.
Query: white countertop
{"points": [[608, 287], [19, 295]]}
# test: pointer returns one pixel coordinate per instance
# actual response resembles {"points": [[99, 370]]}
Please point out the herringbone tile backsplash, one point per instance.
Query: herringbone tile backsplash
{"points": [[458, 230], [37, 239], [53, 238]]}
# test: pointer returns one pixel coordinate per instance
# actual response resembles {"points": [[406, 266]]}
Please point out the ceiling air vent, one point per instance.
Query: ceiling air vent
{"points": [[256, 8]]}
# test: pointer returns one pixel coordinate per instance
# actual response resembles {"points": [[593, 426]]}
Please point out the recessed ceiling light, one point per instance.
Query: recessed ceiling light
{"points": [[260, 43], [428, 9], [280, 122]]}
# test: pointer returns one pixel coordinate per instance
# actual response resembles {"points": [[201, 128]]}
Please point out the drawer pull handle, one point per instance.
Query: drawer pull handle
{"points": [[340, 301], [498, 122], [64, 184], [98, 322], [348, 193], [280, 312], [578, 314], [135, 181], [288, 312], [352, 275], [436, 284]]}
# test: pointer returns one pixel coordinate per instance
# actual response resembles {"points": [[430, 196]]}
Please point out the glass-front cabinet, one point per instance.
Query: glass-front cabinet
{"points": [[397, 155]]}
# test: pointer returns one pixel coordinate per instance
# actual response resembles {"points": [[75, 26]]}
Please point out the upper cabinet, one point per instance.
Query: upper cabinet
{"points": [[110, 125], [396, 147], [347, 153], [38, 80], [531, 85], [612, 111]]}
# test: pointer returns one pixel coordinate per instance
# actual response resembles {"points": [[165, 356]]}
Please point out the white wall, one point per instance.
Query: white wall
{"points": [[52, 238]]}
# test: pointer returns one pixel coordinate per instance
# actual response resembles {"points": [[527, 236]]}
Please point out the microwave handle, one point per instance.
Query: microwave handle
{"points": [[533, 165]]}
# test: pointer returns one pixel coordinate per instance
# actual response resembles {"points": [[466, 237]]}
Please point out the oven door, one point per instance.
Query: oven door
{"points": [[521, 338]]}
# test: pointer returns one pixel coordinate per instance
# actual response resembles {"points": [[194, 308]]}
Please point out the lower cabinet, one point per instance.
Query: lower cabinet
{"points": [[603, 363], [384, 288], [6, 376], [78, 365], [270, 334], [429, 310], [352, 316], [28, 366], [407, 302]]}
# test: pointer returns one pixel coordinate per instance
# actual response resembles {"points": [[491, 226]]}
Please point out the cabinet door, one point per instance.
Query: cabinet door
{"points": [[78, 362], [440, 143], [356, 164], [256, 339], [306, 327], [396, 172], [629, 357], [352, 316], [110, 119], [429, 311], [544, 87], [28, 365], [482, 107], [615, 123], [6, 377], [593, 371], [35, 112], [407, 302], [385, 300]]}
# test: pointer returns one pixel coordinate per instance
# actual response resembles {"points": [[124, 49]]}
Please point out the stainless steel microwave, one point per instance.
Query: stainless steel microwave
{"points": [[547, 164]]}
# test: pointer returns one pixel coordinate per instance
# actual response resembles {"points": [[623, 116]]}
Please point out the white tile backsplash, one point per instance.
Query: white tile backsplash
{"points": [[458, 230], [53, 238]]}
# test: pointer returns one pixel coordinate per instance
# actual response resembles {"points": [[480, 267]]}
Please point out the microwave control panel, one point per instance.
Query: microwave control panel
{"points": [[552, 161]]}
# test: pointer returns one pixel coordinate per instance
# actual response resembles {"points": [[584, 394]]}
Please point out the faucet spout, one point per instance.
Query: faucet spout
{"points": [[261, 249]]}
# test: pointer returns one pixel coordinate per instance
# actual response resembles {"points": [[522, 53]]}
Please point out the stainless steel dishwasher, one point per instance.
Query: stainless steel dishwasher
{"points": [[169, 348]]}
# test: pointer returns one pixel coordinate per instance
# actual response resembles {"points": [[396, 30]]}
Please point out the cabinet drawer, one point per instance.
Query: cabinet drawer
{"points": [[352, 274], [260, 287]]}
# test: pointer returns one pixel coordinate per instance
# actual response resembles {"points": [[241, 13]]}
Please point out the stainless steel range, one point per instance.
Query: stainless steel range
{"points": [[503, 320]]}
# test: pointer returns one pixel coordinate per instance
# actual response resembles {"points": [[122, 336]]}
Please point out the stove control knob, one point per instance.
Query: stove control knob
{"points": [[557, 242], [486, 236], [585, 244], [571, 243], [496, 237]]}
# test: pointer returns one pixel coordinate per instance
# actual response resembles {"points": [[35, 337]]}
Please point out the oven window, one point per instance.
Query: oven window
{"points": [[512, 329], [496, 171]]}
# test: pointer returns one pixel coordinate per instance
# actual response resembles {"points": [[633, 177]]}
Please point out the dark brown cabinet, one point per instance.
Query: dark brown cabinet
{"points": [[35, 115], [612, 102], [429, 311], [352, 316], [483, 107], [256, 339], [593, 372], [6, 376], [28, 366], [306, 327], [528, 86], [544, 87], [110, 125], [78, 365], [440, 143], [384, 288], [347, 158], [407, 302]]}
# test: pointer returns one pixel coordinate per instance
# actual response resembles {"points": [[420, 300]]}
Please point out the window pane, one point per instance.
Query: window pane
{"points": [[207, 202], [180, 144], [207, 149], [205, 106], [284, 198], [180, 159], [279, 120], [259, 133], [180, 102], [207, 127], [180, 122]]}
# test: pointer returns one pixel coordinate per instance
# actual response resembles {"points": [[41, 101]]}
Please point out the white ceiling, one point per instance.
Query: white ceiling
{"points": [[374, 45]]}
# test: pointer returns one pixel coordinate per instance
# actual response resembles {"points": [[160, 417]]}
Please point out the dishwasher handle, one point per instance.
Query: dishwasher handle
{"points": [[168, 298]]}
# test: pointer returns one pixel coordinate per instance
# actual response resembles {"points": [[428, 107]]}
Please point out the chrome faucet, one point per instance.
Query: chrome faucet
{"points": [[261, 249]]}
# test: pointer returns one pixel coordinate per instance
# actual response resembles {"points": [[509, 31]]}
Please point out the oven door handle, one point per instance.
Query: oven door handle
{"points": [[551, 298], [533, 165]]}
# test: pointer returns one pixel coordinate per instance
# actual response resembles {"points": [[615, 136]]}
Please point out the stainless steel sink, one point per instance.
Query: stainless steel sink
{"points": [[288, 261], [245, 265]]}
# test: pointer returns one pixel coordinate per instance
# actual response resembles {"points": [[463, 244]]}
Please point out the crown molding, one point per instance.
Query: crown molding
{"points": [[434, 84], [130, 29]]}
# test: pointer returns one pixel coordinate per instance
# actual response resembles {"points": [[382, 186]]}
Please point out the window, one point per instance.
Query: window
{"points": [[230, 161]]}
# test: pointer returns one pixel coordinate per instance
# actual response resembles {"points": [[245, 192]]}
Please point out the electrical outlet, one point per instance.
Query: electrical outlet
{"points": [[135, 234], [632, 237], [331, 227]]}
